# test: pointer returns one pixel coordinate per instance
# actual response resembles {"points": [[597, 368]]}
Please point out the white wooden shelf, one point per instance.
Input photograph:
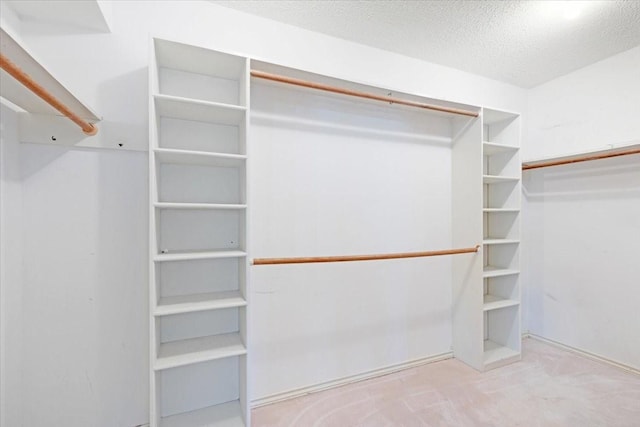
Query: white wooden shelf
{"points": [[198, 206], [496, 354], [492, 271], [201, 158], [184, 256], [197, 110], [223, 415], [199, 302], [491, 241], [198, 117], [493, 302], [500, 210], [491, 148], [497, 179], [195, 350]]}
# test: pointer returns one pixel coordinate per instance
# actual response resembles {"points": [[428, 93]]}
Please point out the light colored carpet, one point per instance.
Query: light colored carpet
{"points": [[550, 387]]}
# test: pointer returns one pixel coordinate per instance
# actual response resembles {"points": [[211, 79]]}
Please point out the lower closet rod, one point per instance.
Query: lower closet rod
{"points": [[305, 260]]}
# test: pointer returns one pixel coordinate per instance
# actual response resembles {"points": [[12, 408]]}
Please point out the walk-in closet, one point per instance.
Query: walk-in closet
{"points": [[319, 213]]}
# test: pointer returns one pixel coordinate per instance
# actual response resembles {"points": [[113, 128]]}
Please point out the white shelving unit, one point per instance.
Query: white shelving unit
{"points": [[486, 208], [198, 273], [501, 237]]}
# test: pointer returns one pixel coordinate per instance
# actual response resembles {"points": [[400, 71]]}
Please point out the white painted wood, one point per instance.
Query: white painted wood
{"points": [[197, 60], [500, 210], [181, 230], [501, 236], [196, 350], [203, 136], [495, 179], [187, 157], [183, 184], [199, 302], [493, 302], [197, 206], [185, 256], [493, 271], [499, 241], [491, 148], [496, 355], [467, 230], [198, 386], [199, 276], [184, 326], [185, 108], [199, 105], [228, 414]]}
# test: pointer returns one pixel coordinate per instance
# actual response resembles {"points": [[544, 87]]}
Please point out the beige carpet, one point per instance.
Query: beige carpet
{"points": [[549, 387]]}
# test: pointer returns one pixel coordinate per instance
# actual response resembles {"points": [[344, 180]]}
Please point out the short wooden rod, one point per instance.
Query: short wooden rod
{"points": [[349, 92], [17, 73], [306, 260], [580, 159]]}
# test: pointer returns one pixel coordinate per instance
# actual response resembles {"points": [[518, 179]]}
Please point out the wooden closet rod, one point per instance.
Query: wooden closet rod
{"points": [[271, 261], [579, 159], [349, 92], [34, 87]]}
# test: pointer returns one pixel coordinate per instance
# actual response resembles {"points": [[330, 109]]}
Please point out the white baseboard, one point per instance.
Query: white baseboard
{"points": [[278, 397], [583, 353], [291, 394]]}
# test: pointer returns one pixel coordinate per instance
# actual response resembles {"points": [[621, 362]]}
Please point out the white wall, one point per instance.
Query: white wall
{"points": [[10, 271], [321, 189], [85, 268], [589, 109], [582, 222], [74, 228]]}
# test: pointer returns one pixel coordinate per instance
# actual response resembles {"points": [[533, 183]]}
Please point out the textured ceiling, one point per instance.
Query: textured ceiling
{"points": [[525, 43]]}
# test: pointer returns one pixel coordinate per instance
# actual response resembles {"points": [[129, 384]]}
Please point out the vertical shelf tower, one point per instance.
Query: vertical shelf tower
{"points": [[501, 174], [486, 197], [198, 271]]}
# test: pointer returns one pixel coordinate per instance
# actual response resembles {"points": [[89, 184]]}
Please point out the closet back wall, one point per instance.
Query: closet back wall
{"points": [[332, 176]]}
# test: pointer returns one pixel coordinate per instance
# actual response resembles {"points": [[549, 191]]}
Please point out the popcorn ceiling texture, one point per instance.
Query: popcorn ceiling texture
{"points": [[524, 43]]}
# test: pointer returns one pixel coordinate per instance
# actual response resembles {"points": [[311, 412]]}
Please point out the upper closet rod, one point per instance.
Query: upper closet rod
{"points": [[34, 87], [342, 91], [579, 159], [271, 261]]}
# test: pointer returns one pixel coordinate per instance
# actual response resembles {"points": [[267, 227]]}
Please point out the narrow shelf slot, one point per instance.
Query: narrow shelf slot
{"points": [[496, 353], [493, 271], [491, 148], [491, 241], [199, 302], [202, 111], [195, 350], [223, 415], [496, 179], [195, 206], [493, 302], [184, 256], [500, 210], [202, 158]]}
